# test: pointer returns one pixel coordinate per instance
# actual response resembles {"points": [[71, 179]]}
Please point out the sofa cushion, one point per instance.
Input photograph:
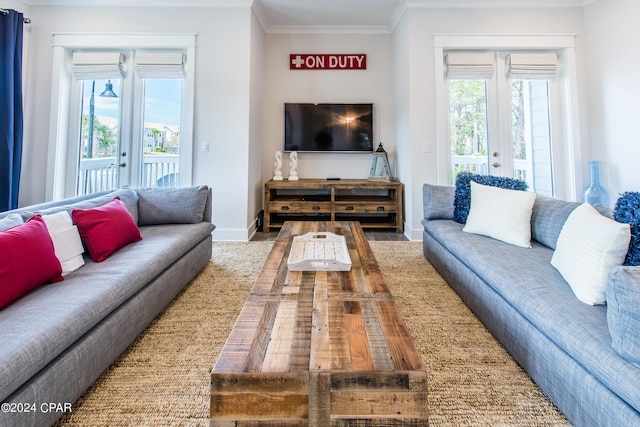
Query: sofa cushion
{"points": [[437, 201], [66, 241], [500, 213], [184, 205], [623, 311], [106, 229], [28, 260], [462, 199], [127, 195], [627, 209], [588, 247], [10, 221], [40, 326], [548, 217]]}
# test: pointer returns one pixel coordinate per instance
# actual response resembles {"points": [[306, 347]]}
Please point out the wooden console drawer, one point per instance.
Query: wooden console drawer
{"points": [[380, 207], [276, 207], [349, 208], [315, 207]]}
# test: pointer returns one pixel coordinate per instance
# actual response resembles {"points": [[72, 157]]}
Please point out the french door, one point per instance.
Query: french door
{"points": [[128, 133], [503, 126]]}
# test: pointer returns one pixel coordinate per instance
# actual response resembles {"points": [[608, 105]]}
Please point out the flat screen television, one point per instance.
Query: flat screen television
{"points": [[345, 128]]}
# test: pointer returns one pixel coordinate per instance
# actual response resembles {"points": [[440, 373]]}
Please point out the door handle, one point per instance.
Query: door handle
{"points": [[123, 164], [495, 165]]}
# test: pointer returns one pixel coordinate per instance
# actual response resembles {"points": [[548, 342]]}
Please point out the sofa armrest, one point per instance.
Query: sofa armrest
{"points": [[207, 217], [437, 201]]}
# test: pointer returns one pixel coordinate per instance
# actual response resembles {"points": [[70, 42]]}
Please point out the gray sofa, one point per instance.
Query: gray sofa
{"points": [[57, 340], [563, 344]]}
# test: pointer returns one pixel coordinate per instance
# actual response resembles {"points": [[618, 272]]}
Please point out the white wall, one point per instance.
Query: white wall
{"points": [[402, 92], [256, 123], [222, 99], [284, 85], [613, 67]]}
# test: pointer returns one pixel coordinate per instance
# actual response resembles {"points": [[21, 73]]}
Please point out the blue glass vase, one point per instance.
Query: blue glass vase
{"points": [[594, 194]]}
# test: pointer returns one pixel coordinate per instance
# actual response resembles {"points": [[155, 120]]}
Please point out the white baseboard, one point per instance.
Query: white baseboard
{"points": [[414, 234], [232, 235]]}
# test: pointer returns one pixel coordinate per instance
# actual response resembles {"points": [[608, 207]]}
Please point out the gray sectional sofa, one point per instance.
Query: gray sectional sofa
{"points": [[564, 344], [56, 340]]}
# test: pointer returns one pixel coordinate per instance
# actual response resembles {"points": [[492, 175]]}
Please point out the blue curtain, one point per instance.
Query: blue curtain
{"points": [[11, 24]]}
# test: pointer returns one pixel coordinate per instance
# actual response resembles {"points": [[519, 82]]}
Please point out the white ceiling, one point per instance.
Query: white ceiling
{"points": [[296, 14]]}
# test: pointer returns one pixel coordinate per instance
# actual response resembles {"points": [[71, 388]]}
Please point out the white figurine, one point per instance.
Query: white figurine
{"points": [[293, 164], [277, 175]]}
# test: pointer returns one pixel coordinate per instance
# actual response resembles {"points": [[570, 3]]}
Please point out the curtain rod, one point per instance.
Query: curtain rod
{"points": [[25, 20]]}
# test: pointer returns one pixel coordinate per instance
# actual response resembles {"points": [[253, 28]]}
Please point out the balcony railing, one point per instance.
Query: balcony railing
{"points": [[101, 173], [480, 165]]}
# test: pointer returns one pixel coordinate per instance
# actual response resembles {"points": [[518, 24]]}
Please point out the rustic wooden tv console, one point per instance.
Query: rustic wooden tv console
{"points": [[376, 205]]}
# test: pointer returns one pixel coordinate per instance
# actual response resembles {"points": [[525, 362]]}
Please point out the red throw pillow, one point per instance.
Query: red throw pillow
{"points": [[105, 229], [28, 260]]}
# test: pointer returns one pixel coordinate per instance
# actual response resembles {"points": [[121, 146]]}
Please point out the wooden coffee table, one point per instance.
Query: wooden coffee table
{"points": [[319, 348]]}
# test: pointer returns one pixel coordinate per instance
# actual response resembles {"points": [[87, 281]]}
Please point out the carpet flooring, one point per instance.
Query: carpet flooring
{"points": [[163, 378]]}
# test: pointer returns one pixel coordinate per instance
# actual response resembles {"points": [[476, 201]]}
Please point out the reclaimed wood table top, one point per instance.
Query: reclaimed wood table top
{"points": [[319, 348]]}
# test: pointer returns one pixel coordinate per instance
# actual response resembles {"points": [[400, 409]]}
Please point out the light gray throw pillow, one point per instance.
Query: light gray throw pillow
{"points": [[437, 201], [548, 217], [183, 205]]}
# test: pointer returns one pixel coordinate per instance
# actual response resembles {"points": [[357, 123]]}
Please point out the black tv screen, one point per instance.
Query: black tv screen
{"points": [[328, 127]]}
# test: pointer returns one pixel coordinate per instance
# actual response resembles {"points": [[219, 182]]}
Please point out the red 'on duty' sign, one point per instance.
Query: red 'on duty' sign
{"points": [[327, 61]]}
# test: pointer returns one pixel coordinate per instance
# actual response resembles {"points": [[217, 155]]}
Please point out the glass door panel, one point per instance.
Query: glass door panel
{"points": [[531, 134], [98, 156], [468, 126], [161, 138]]}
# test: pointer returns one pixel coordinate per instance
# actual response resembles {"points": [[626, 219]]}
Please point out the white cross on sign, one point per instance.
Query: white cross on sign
{"points": [[297, 61]]}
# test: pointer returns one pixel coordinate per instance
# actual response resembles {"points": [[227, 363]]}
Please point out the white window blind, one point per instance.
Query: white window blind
{"points": [[532, 65], [97, 65], [160, 65], [469, 65]]}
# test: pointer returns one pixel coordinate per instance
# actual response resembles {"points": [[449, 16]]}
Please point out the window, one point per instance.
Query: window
{"points": [[508, 111], [125, 112]]}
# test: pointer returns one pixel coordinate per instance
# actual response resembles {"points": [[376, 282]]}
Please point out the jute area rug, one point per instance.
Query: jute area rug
{"points": [[163, 378]]}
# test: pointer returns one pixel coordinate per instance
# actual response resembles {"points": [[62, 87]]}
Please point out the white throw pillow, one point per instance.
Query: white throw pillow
{"points": [[501, 213], [589, 245], [66, 241]]}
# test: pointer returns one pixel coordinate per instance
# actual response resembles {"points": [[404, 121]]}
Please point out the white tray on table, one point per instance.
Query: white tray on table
{"points": [[319, 251]]}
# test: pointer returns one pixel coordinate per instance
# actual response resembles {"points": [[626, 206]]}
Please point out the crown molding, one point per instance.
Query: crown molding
{"points": [[261, 14], [327, 29], [397, 15]]}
